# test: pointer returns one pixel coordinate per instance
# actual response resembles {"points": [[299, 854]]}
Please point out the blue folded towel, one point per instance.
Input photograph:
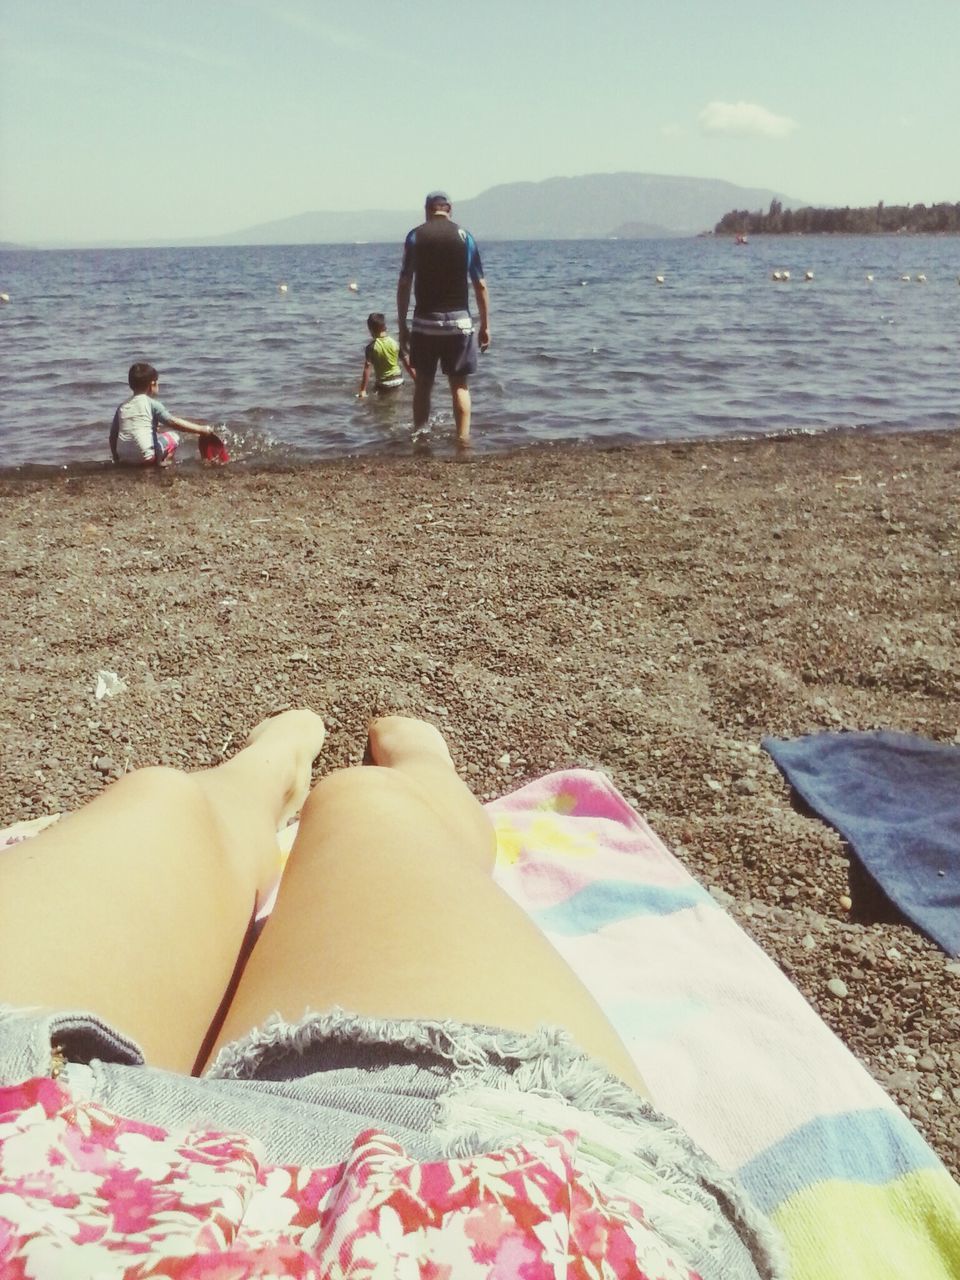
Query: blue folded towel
{"points": [[896, 798]]}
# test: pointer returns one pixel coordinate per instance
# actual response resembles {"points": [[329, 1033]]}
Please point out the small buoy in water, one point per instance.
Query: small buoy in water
{"points": [[808, 275], [4, 297], [353, 287], [921, 278], [784, 275], [907, 278], [281, 288], [869, 279], [776, 275], [659, 279], [583, 282]]}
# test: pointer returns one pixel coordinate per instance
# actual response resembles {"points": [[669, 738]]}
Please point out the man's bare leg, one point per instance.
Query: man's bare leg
{"points": [[422, 391], [460, 394], [136, 906]]}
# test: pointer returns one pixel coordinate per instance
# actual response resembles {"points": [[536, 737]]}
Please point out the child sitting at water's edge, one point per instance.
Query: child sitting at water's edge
{"points": [[136, 437], [383, 356]]}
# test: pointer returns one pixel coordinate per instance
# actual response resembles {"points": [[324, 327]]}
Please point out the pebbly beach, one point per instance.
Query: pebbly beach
{"points": [[650, 611]]}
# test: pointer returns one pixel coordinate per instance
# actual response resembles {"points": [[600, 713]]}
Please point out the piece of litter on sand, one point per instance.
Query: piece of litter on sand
{"points": [[109, 684]]}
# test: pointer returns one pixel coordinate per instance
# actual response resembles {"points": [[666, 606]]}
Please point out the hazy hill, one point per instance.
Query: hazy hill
{"points": [[593, 206]]}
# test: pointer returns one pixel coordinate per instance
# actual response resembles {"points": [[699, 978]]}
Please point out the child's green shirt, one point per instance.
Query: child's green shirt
{"points": [[384, 354]]}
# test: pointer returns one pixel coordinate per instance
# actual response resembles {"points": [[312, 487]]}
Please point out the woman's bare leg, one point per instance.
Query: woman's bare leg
{"points": [[388, 907], [136, 906]]}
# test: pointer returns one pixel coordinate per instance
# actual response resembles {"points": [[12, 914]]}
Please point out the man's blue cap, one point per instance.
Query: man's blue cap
{"points": [[438, 197]]}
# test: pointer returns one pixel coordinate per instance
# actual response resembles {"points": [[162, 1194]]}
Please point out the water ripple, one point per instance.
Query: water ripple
{"points": [[587, 345]]}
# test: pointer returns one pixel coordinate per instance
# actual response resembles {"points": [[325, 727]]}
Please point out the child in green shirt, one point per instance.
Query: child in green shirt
{"points": [[384, 357]]}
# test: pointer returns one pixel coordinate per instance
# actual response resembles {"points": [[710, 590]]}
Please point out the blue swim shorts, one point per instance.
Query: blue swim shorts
{"points": [[456, 352]]}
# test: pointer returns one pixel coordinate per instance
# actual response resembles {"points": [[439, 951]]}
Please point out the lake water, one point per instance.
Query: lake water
{"points": [[587, 346]]}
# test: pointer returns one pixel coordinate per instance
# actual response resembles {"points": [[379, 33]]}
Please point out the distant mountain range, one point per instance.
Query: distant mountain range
{"points": [[593, 206], [600, 206]]}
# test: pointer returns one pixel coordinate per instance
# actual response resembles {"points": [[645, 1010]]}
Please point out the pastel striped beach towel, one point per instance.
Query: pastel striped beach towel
{"points": [[726, 1043]]}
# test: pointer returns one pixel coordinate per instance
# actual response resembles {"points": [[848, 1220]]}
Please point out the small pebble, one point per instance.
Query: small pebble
{"points": [[726, 900], [837, 987], [846, 902]]}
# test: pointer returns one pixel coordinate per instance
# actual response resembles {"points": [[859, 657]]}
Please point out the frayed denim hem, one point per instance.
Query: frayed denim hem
{"points": [[465, 1046], [34, 1042]]}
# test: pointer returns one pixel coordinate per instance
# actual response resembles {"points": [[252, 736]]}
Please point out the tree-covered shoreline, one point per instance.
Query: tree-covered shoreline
{"points": [[880, 219]]}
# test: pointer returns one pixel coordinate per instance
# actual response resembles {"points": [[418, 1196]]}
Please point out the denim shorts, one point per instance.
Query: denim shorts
{"points": [[443, 1089]]}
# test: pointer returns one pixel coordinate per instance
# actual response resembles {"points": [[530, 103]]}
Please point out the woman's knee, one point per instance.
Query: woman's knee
{"points": [[357, 788], [157, 784], [166, 795], [432, 801], [399, 740]]}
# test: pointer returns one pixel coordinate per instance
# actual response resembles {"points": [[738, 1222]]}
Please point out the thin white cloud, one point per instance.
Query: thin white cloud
{"points": [[308, 24], [744, 120], [109, 38], [39, 65], [356, 40]]}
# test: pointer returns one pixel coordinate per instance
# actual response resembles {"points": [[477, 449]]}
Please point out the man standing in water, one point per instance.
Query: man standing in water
{"points": [[438, 259]]}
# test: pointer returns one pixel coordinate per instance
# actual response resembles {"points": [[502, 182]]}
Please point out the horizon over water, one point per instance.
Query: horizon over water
{"points": [[587, 347]]}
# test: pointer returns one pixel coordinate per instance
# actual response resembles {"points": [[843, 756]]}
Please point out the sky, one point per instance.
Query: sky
{"points": [[122, 121]]}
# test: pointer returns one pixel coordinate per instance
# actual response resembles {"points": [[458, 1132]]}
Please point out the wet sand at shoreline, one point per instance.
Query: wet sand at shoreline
{"points": [[650, 611]]}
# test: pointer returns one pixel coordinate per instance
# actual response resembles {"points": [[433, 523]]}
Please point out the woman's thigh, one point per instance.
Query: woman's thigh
{"points": [[128, 908], [388, 907]]}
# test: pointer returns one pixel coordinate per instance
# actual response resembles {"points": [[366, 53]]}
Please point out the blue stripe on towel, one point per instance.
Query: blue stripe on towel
{"points": [[605, 902], [871, 1147]]}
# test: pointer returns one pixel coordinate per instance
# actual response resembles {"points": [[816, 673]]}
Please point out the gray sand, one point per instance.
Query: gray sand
{"points": [[650, 611]]}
